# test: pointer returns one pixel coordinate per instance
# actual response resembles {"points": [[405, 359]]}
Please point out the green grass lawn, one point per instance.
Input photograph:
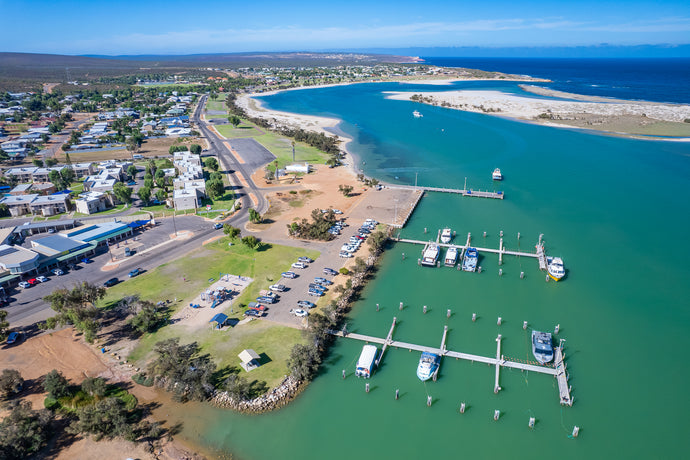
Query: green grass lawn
{"points": [[218, 104], [185, 278], [280, 146], [114, 210]]}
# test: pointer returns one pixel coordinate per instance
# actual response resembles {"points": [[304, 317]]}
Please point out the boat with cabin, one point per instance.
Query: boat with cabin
{"points": [[416, 114], [366, 361], [469, 262], [446, 236], [451, 257], [496, 175], [430, 255], [428, 365], [542, 348], [555, 268]]}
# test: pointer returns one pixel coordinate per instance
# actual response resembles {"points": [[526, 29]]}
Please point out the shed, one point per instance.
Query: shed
{"points": [[221, 319], [250, 359]]}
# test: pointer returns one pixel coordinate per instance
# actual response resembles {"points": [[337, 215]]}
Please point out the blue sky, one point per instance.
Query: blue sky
{"points": [[183, 27]]}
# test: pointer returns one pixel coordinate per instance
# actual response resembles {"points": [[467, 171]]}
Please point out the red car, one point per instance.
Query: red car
{"points": [[32, 281]]}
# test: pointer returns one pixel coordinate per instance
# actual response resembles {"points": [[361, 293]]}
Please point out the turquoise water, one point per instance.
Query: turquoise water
{"points": [[615, 209]]}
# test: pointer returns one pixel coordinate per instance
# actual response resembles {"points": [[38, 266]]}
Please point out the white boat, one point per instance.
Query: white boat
{"points": [[542, 348], [469, 262], [417, 114], [451, 257], [428, 365], [496, 175], [430, 255], [446, 236], [555, 268], [366, 361]]}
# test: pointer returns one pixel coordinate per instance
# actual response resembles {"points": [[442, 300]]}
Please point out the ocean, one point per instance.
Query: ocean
{"points": [[615, 209]]}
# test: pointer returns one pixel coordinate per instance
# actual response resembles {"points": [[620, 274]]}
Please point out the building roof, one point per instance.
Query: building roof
{"points": [[98, 232], [17, 200], [56, 245], [49, 199], [15, 255], [21, 188], [45, 225], [219, 318], [249, 355]]}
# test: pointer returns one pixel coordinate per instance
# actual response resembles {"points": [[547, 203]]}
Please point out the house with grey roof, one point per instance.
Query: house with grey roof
{"points": [[19, 205], [50, 205]]}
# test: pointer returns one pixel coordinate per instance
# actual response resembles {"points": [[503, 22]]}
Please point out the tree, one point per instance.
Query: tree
{"points": [[211, 163], [345, 189], [107, 418], [94, 386], [4, 325], [144, 194], [131, 145], [56, 385], [251, 241], [254, 216], [232, 232], [122, 192], [38, 163], [234, 120], [65, 147], [195, 149], [50, 162], [304, 361], [215, 189], [376, 241], [148, 318], [23, 431], [182, 370], [11, 382], [55, 177], [237, 387], [77, 307], [132, 171], [67, 175], [161, 195]]}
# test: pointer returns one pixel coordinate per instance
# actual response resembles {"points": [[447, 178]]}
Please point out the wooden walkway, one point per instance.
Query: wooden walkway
{"points": [[499, 361], [463, 192], [499, 251]]}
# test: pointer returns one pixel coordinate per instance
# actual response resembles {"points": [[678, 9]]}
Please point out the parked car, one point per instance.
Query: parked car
{"points": [[315, 293], [42, 279], [289, 275], [266, 299], [128, 252], [299, 312], [305, 260], [14, 337], [299, 265], [58, 272], [305, 304], [252, 312], [345, 254], [330, 271], [24, 285], [32, 281], [218, 226], [277, 288], [111, 282], [256, 306], [337, 211], [135, 272], [323, 281]]}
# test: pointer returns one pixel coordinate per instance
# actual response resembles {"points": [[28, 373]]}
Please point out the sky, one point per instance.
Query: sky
{"points": [[121, 27]]}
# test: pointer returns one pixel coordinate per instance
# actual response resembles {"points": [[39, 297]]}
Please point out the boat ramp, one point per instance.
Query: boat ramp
{"points": [[558, 370]]}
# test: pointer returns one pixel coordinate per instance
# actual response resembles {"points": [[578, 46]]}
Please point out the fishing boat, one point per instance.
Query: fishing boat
{"points": [[496, 175], [469, 262], [542, 349], [428, 365], [366, 361], [451, 257], [446, 236], [555, 268], [430, 255], [417, 114]]}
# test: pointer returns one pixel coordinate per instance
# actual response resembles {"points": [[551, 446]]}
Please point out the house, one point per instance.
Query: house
{"points": [[19, 205], [186, 199], [43, 174], [50, 205], [99, 185], [21, 189], [92, 202], [44, 188], [13, 145], [82, 170]]}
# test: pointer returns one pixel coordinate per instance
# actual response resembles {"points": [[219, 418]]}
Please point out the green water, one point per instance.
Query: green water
{"points": [[614, 209]]}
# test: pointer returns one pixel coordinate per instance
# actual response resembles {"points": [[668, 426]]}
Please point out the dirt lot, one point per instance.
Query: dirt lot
{"points": [[151, 148]]}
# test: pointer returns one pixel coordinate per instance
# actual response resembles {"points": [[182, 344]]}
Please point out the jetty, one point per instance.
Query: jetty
{"points": [[461, 248], [558, 370], [458, 191]]}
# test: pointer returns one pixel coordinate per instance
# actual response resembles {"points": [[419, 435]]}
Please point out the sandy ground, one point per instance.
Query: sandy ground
{"points": [[592, 113]]}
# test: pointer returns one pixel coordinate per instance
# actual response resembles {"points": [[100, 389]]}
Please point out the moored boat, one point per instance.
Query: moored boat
{"points": [[542, 348], [469, 262], [446, 236], [417, 114], [496, 175], [366, 361], [451, 257], [430, 255], [428, 365], [555, 268]]}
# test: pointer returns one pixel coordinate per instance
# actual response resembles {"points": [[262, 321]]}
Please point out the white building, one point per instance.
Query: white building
{"points": [[92, 202]]}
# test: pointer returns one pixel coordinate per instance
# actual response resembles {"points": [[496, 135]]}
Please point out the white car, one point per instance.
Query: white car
{"points": [[41, 279], [299, 265], [277, 287], [337, 211], [345, 254], [299, 312], [58, 272], [24, 285]]}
